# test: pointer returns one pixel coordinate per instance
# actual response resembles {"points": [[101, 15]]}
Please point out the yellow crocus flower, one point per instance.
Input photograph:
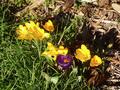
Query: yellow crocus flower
{"points": [[31, 31], [61, 50], [53, 51], [35, 30], [50, 54], [51, 46], [49, 26], [95, 61], [22, 33], [83, 54]]}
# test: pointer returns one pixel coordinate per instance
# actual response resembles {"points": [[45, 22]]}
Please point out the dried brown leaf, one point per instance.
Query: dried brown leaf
{"points": [[68, 4], [96, 78], [34, 4], [116, 7]]}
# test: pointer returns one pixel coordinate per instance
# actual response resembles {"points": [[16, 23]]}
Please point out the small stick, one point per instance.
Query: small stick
{"points": [[105, 21]]}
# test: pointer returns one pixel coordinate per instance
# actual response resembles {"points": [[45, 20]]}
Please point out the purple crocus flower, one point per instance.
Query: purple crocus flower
{"points": [[64, 61]]}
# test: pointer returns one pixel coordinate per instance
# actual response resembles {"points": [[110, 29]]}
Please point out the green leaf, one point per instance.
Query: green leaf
{"points": [[54, 79], [46, 76]]}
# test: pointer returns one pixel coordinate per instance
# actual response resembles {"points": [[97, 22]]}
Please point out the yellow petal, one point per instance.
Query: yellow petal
{"points": [[83, 47], [50, 53], [22, 32], [46, 35], [32, 24], [27, 25], [51, 46], [81, 55], [61, 47], [62, 50]]}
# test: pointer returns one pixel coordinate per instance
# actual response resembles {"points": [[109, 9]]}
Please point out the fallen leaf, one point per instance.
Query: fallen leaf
{"points": [[116, 7], [68, 4], [103, 3], [35, 4]]}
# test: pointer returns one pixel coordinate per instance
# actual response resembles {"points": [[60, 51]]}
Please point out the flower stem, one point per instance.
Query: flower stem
{"points": [[38, 45]]}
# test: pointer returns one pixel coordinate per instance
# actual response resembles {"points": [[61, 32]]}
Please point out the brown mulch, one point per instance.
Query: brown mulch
{"points": [[104, 19]]}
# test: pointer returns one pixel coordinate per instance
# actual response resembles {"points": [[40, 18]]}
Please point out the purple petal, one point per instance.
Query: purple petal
{"points": [[64, 61]]}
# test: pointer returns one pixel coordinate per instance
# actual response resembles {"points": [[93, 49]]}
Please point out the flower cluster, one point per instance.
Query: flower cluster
{"points": [[52, 51], [64, 60], [83, 54], [59, 55], [32, 31]]}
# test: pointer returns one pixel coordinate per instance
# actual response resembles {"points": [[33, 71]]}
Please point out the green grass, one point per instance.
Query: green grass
{"points": [[21, 68]]}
